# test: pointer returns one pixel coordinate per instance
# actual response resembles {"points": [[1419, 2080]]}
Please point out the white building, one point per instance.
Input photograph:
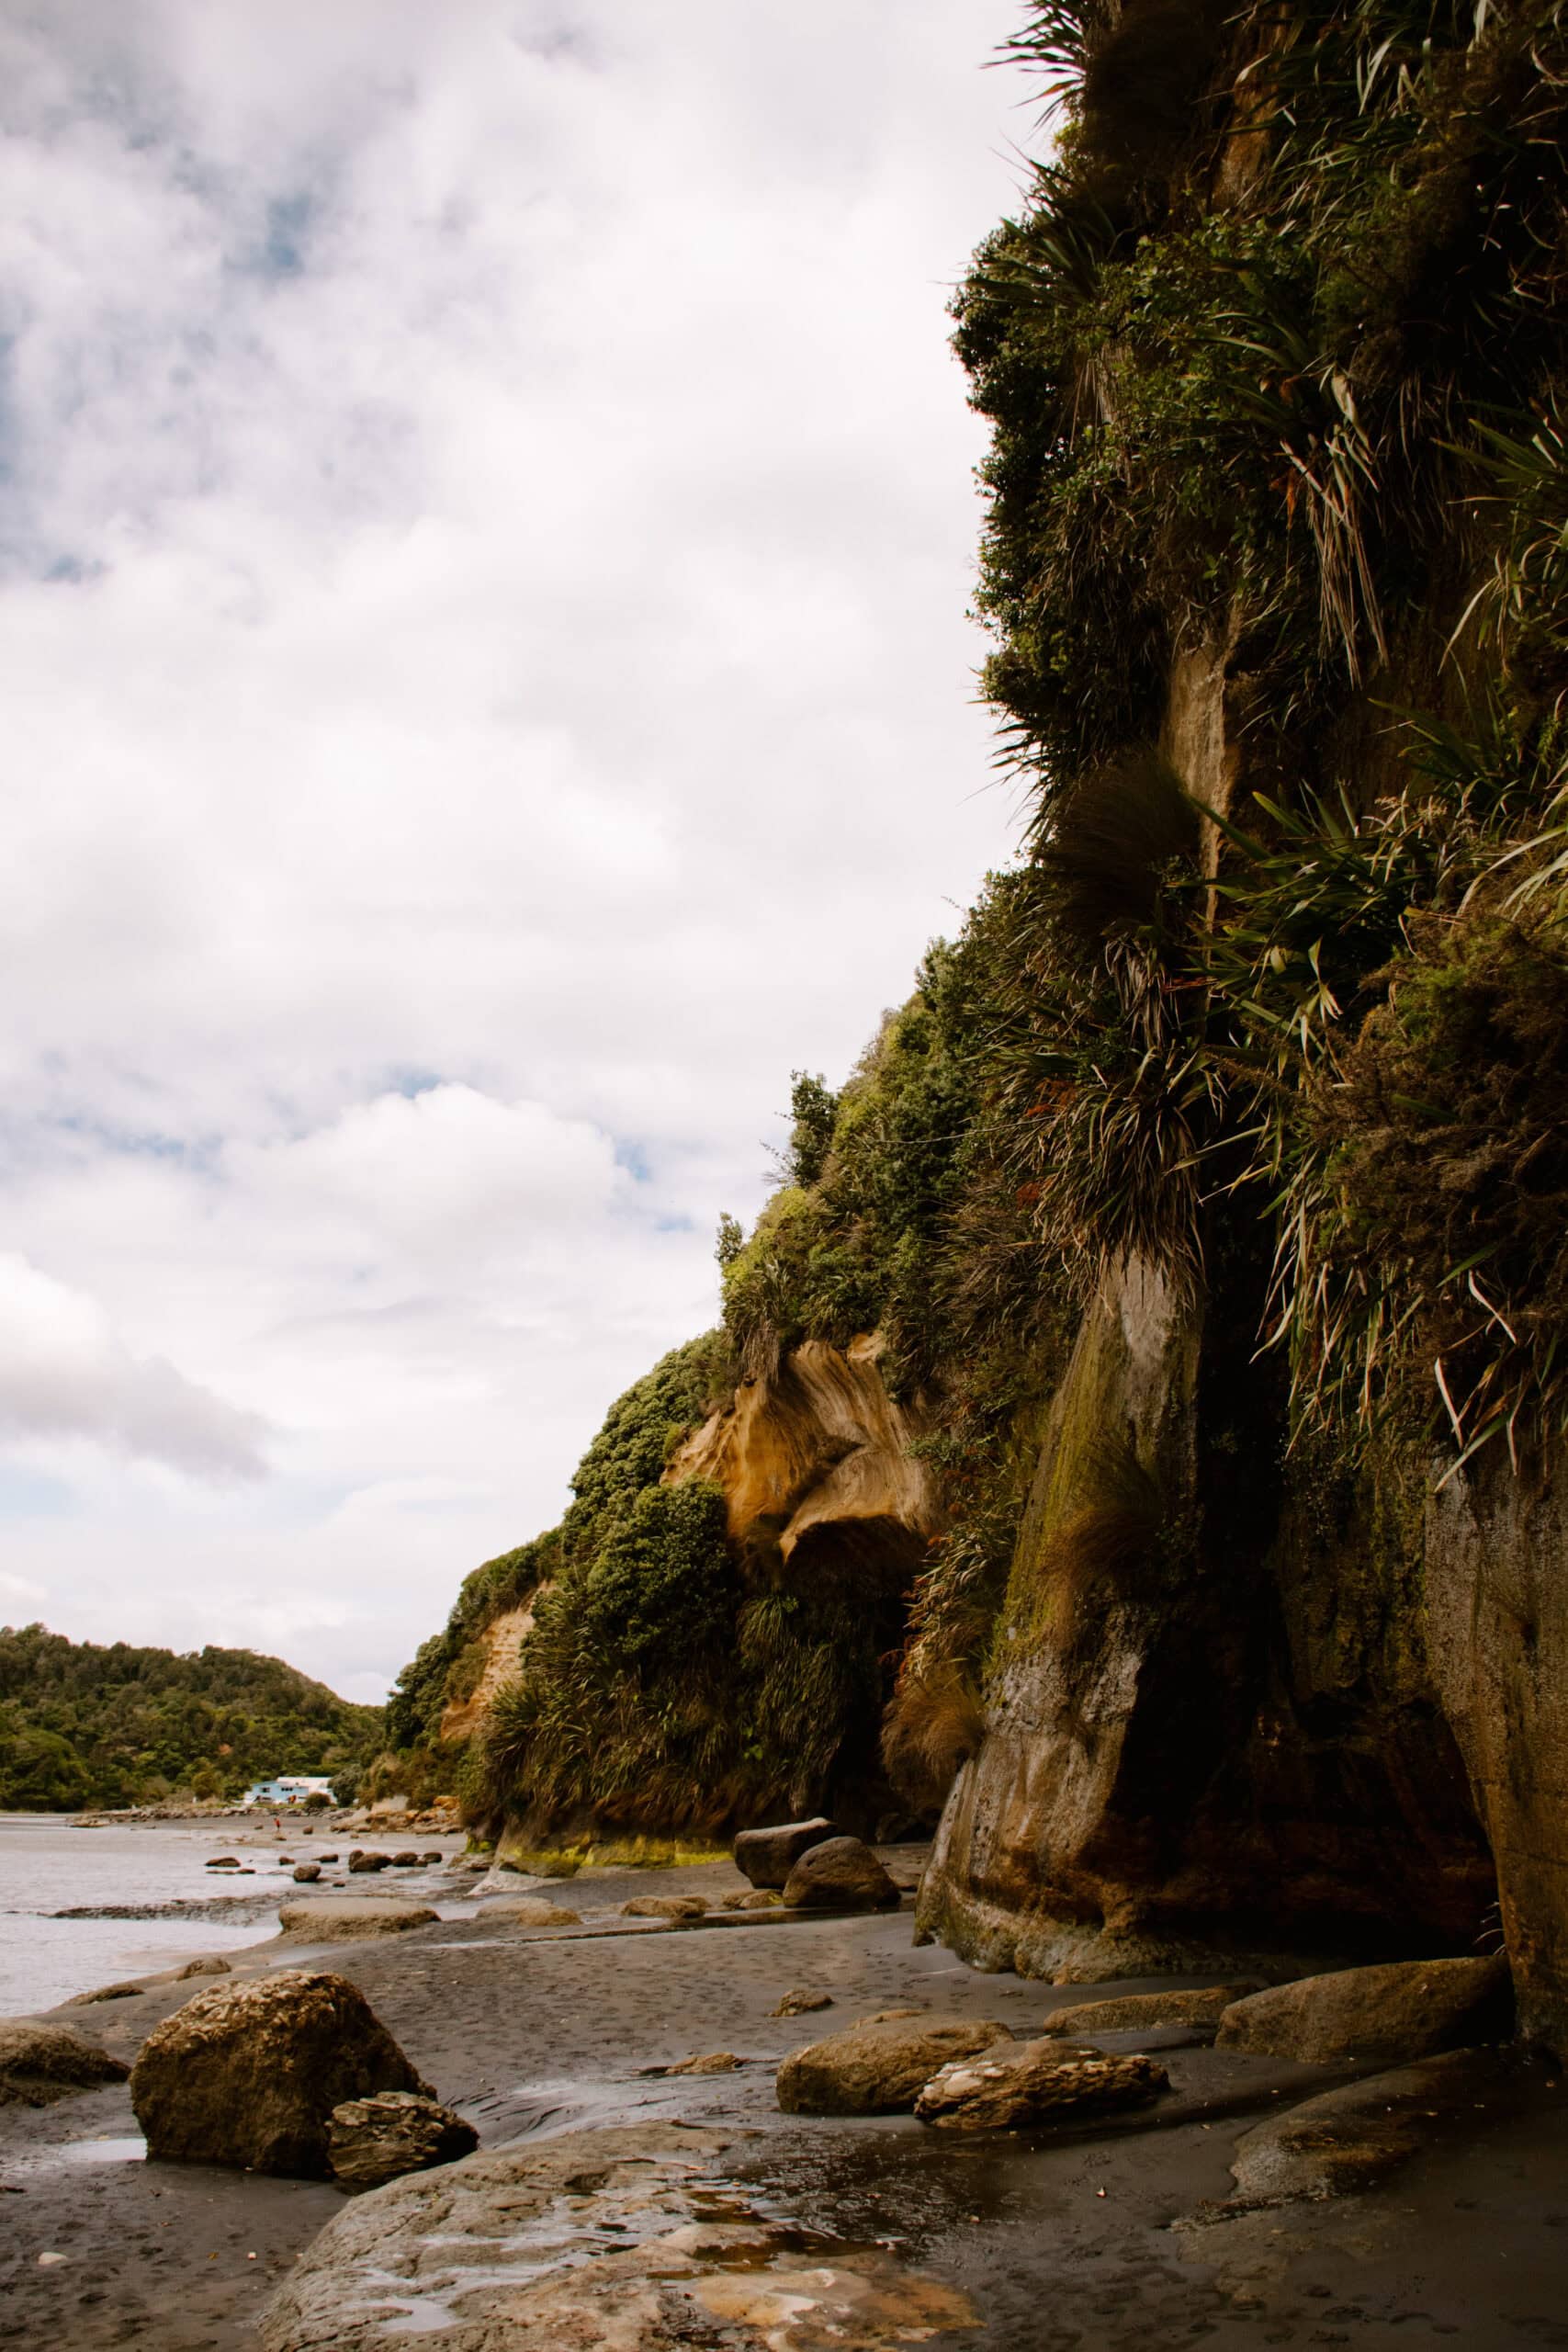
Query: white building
{"points": [[289, 1788]]}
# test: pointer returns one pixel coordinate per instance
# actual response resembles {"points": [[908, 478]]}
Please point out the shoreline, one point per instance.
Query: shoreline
{"points": [[536, 2035]]}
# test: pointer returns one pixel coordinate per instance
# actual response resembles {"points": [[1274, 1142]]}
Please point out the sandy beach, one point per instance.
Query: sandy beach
{"points": [[1059, 2241]]}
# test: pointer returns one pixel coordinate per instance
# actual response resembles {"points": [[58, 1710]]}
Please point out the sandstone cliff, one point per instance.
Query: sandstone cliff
{"points": [[815, 1465]]}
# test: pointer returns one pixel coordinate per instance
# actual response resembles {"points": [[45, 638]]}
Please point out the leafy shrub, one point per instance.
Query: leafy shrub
{"points": [[660, 1586]]}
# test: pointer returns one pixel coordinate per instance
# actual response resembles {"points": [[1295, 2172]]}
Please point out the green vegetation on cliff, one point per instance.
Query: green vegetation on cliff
{"points": [[86, 1726], [1273, 363]]}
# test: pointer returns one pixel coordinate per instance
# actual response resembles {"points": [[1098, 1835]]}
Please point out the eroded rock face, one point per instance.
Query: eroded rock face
{"points": [[1035, 2082], [881, 2066], [1498, 1615], [42, 2063], [248, 2074], [767, 1856], [1210, 1707], [818, 1450], [506, 2253], [371, 2140], [504, 1638], [1373, 2016], [839, 1874]]}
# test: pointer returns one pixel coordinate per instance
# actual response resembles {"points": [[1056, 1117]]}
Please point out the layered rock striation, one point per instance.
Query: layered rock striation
{"points": [[813, 1461]]}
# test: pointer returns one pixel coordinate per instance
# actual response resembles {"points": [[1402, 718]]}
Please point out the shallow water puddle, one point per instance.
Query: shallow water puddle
{"points": [[108, 2148]]}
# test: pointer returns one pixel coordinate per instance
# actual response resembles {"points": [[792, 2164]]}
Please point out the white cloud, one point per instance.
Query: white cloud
{"points": [[447, 1175], [487, 525], [65, 1373]]}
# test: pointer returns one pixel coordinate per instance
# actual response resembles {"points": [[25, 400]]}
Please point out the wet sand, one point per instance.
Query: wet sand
{"points": [[1062, 2244]]}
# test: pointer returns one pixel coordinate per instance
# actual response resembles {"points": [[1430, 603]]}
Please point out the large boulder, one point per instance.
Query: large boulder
{"points": [[248, 2074], [767, 1856], [1035, 2082], [1143, 2012], [1382, 2016], [333, 1920], [881, 2066], [39, 2062], [840, 1874], [374, 2140]]}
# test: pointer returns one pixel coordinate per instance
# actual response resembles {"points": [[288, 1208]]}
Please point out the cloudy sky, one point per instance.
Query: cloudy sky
{"points": [[488, 523]]}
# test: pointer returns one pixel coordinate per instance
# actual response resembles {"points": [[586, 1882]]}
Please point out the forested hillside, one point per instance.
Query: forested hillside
{"points": [[86, 1726]]}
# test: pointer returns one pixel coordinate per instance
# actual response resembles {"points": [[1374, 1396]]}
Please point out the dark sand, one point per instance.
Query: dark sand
{"points": [[539, 2030]]}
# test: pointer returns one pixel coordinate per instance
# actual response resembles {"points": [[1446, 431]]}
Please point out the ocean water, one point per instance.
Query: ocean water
{"points": [[48, 1867]]}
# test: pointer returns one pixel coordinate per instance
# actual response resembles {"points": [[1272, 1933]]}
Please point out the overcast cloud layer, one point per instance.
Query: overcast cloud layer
{"points": [[488, 522]]}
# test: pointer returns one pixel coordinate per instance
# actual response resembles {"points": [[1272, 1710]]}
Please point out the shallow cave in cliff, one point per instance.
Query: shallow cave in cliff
{"points": [[858, 1575]]}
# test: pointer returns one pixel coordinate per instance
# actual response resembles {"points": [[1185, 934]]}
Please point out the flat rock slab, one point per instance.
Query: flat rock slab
{"points": [[664, 1906], [1384, 2015], [42, 2063], [881, 2066], [1349, 2138], [609, 2241], [333, 1919], [530, 1911], [1142, 2012], [1035, 2082], [767, 1856]]}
